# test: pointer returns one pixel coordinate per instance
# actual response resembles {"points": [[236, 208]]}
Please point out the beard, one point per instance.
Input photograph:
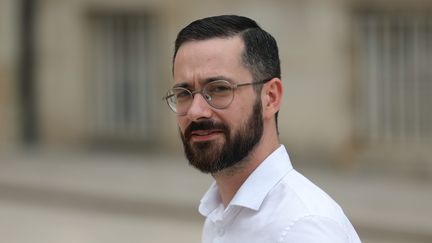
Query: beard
{"points": [[212, 156]]}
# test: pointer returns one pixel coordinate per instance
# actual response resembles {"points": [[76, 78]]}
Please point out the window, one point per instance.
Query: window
{"points": [[394, 88], [122, 87]]}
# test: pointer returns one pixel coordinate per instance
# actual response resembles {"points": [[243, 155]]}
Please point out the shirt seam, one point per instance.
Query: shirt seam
{"points": [[286, 230]]}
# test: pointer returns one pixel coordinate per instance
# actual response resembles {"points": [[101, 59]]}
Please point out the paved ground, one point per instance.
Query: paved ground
{"points": [[90, 197]]}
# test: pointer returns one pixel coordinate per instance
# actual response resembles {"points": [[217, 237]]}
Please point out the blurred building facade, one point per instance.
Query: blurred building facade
{"points": [[357, 76]]}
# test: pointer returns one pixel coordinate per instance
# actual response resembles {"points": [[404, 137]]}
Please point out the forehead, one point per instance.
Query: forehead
{"points": [[217, 57]]}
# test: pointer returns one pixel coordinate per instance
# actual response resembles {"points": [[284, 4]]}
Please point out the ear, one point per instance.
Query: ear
{"points": [[271, 97]]}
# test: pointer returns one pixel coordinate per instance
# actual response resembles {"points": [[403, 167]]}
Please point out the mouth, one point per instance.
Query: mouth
{"points": [[205, 135]]}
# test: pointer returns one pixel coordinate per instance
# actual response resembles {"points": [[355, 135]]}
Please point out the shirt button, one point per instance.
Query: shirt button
{"points": [[220, 231]]}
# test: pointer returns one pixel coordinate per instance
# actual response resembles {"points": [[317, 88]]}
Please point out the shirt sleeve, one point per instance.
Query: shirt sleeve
{"points": [[314, 229]]}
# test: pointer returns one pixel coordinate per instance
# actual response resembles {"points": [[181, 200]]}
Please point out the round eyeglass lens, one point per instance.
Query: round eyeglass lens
{"points": [[180, 100], [219, 94]]}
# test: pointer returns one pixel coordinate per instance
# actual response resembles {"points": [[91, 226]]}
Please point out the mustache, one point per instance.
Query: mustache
{"points": [[204, 125]]}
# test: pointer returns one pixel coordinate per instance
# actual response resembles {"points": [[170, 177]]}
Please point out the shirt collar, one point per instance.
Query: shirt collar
{"points": [[210, 201], [256, 187]]}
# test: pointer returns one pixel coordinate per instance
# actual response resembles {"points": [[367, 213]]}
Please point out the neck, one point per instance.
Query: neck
{"points": [[231, 179]]}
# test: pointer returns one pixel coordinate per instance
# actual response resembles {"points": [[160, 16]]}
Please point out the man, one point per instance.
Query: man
{"points": [[227, 95]]}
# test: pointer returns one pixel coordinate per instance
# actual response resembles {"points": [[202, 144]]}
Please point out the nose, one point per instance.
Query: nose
{"points": [[199, 108]]}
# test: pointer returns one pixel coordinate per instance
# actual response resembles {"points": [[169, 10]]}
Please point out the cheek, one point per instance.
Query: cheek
{"points": [[181, 123], [242, 115], [236, 117], [245, 110]]}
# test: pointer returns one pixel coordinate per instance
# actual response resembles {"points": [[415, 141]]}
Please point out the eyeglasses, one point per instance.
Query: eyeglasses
{"points": [[219, 94]]}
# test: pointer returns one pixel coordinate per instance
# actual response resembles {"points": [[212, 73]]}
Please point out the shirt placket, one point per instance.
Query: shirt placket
{"points": [[223, 230]]}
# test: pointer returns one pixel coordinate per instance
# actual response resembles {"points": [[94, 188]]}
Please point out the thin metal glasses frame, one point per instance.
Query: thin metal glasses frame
{"points": [[207, 98]]}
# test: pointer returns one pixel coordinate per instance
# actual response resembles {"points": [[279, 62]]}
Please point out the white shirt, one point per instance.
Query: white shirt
{"points": [[275, 204]]}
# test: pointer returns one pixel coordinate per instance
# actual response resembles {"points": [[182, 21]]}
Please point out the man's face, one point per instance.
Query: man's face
{"points": [[216, 139]]}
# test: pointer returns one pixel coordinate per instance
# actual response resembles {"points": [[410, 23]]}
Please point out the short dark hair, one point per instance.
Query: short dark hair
{"points": [[261, 54]]}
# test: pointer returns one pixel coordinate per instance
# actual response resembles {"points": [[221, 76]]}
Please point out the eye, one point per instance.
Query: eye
{"points": [[181, 94], [219, 88]]}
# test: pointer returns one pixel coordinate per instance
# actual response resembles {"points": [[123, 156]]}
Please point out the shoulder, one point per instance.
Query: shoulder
{"points": [[314, 228], [297, 196], [305, 213]]}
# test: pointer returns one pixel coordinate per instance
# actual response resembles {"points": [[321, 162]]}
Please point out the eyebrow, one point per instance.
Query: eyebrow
{"points": [[203, 81]]}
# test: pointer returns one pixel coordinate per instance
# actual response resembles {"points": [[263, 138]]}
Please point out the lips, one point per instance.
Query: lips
{"points": [[204, 131], [202, 135]]}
